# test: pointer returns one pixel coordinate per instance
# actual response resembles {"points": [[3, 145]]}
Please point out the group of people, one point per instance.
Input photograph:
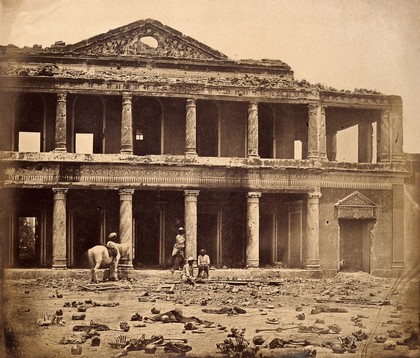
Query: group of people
{"points": [[178, 258], [187, 269]]}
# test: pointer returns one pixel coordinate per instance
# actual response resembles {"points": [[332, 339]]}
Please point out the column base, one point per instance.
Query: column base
{"points": [[397, 267], [191, 154], [59, 264], [126, 151], [252, 263], [61, 150], [125, 265], [313, 267]]}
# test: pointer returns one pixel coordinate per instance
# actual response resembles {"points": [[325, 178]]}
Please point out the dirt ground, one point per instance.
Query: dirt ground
{"points": [[348, 311]]}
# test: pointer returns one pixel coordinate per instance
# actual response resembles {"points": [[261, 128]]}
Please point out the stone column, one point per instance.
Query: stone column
{"points": [[59, 234], [322, 135], [126, 125], [253, 230], [396, 119], [397, 228], [126, 225], [365, 136], [384, 154], [191, 128], [253, 130], [312, 234], [190, 200], [61, 123], [314, 113], [332, 146]]}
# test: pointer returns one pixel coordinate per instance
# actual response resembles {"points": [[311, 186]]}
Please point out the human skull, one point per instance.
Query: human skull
{"points": [[164, 318]]}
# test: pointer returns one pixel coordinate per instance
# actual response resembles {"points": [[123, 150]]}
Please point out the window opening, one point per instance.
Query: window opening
{"points": [[149, 41], [298, 149], [84, 143], [29, 142], [347, 145], [374, 143]]}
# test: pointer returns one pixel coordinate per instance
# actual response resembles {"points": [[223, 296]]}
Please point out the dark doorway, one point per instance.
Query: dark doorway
{"points": [[147, 117], [295, 234], [28, 241], [207, 129], [86, 234], [207, 235], [266, 239], [354, 245], [147, 239], [265, 131]]}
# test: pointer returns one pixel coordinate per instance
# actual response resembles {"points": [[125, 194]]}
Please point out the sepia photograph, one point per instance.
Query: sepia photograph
{"points": [[209, 178]]}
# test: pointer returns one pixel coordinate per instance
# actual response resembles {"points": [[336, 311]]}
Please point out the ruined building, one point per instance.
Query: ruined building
{"points": [[142, 130]]}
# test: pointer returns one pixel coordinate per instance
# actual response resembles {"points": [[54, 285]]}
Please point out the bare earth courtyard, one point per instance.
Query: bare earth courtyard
{"points": [[351, 314]]}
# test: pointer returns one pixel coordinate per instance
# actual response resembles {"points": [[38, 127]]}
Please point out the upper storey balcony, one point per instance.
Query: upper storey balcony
{"points": [[38, 126], [117, 97]]}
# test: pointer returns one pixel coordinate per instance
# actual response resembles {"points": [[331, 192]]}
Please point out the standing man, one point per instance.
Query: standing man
{"points": [[178, 252]]}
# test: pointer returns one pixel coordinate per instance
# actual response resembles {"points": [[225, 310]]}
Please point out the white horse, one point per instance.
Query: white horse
{"points": [[100, 254]]}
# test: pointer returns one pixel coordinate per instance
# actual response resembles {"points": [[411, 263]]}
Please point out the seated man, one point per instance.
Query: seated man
{"points": [[203, 262], [187, 273]]}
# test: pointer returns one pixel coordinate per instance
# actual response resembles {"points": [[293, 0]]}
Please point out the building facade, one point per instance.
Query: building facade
{"points": [[142, 130]]}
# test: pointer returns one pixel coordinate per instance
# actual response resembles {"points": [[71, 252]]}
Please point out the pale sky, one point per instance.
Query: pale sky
{"points": [[347, 44]]}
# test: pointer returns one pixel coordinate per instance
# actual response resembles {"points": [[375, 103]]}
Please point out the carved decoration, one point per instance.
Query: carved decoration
{"points": [[127, 40], [116, 176], [257, 86], [356, 206]]}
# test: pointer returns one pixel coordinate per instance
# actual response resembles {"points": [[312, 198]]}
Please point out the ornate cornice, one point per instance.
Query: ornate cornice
{"points": [[114, 176]]}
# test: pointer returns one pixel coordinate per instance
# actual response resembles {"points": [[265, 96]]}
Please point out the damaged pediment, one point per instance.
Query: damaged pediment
{"points": [[147, 38], [356, 206]]}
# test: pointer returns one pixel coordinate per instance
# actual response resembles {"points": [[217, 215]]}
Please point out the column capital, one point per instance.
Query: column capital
{"points": [[126, 194], [127, 96], [313, 108], [191, 102], [61, 96], [315, 194], [60, 192], [191, 192], [254, 194]]}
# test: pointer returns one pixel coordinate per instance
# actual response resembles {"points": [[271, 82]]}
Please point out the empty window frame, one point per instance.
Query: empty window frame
{"points": [[29, 123]]}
